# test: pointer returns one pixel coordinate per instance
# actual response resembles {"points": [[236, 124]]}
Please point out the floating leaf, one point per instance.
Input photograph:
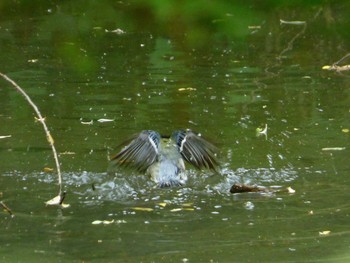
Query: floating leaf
{"points": [[187, 89], [261, 131], [104, 222], [324, 233], [67, 153], [290, 190], [117, 31], [48, 169], [34, 60], [54, 201], [146, 209], [5, 136], [57, 201], [295, 22], [188, 209], [105, 120], [333, 149], [163, 204], [176, 210], [345, 130], [87, 122]]}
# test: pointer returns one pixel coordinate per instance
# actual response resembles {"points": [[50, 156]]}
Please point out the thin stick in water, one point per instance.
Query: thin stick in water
{"points": [[48, 135]]}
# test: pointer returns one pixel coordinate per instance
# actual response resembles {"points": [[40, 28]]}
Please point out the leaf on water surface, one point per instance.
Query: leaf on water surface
{"points": [[57, 201], [290, 190], [261, 131], [333, 149], [33, 60], [295, 22], [345, 130], [48, 169], [145, 209], [187, 204], [176, 209], [117, 31], [104, 222], [5, 136], [162, 204], [105, 120], [324, 233], [87, 122], [187, 89], [67, 153]]}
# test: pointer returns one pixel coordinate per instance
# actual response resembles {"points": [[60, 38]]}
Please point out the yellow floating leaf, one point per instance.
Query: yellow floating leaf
{"points": [[345, 130], [48, 169], [187, 204], [146, 209], [175, 209], [260, 131], [324, 233], [64, 205], [326, 67], [104, 222], [189, 209], [290, 190], [187, 89], [163, 204], [5, 136]]}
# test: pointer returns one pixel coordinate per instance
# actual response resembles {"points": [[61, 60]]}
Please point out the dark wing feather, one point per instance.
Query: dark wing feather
{"points": [[141, 152], [196, 150]]}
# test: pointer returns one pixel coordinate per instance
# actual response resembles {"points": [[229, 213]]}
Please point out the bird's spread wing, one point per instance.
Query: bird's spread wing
{"points": [[196, 150], [141, 152]]}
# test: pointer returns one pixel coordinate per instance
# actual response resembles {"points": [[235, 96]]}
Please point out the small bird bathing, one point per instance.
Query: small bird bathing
{"points": [[163, 157]]}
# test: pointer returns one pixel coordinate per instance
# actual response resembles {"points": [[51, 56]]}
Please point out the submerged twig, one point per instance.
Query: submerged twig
{"points": [[6, 208], [48, 135], [291, 42], [336, 67]]}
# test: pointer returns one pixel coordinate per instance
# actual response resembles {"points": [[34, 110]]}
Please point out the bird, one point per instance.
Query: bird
{"points": [[164, 157]]}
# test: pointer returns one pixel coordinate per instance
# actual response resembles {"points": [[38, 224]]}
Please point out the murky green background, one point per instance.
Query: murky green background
{"points": [[220, 68]]}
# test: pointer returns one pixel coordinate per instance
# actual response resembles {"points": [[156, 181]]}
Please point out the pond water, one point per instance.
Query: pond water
{"points": [[147, 75]]}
